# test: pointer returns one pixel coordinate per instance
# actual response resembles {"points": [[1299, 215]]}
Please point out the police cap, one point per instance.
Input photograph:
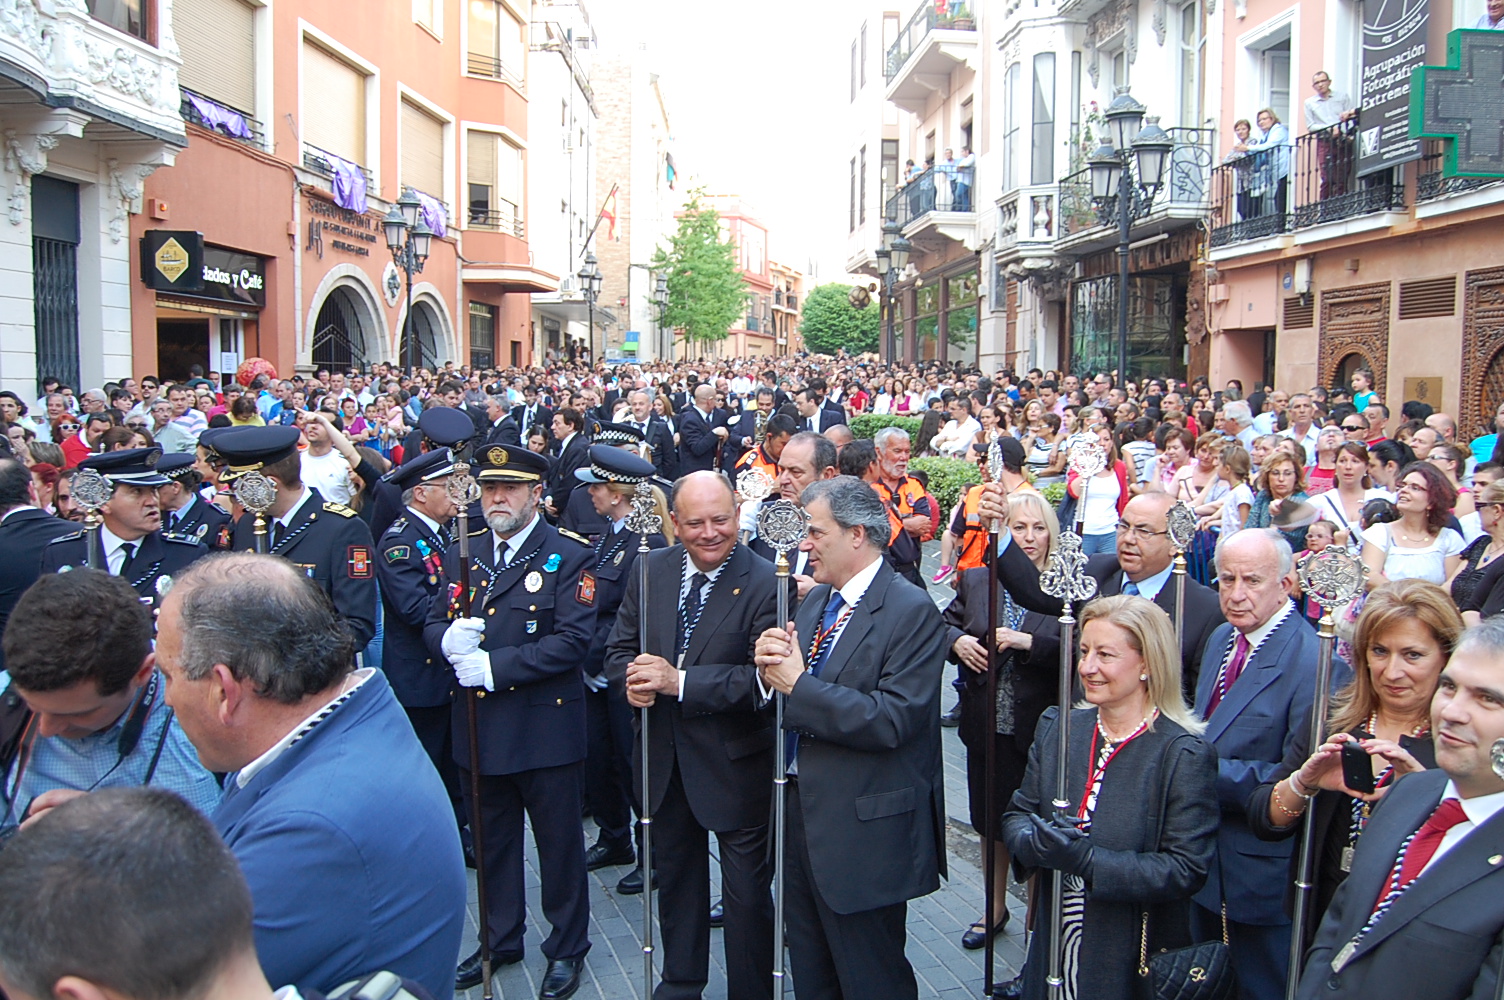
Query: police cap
{"points": [[423, 469], [506, 464], [609, 464], [446, 427], [251, 449], [618, 434], [130, 467], [176, 466]]}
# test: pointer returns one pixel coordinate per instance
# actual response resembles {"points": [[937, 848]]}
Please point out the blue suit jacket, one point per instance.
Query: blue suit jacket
{"points": [[348, 843], [1252, 729]]}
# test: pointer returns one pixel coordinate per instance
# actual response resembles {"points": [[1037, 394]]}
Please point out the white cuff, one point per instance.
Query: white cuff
{"points": [[683, 676]]}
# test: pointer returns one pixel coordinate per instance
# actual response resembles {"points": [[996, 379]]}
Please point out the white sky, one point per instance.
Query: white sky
{"points": [[757, 97]]}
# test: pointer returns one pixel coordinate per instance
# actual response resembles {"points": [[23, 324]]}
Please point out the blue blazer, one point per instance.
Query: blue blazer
{"points": [[1252, 729], [347, 840]]}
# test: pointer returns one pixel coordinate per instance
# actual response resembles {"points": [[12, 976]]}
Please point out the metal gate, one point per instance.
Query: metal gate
{"points": [[55, 289], [338, 340]]}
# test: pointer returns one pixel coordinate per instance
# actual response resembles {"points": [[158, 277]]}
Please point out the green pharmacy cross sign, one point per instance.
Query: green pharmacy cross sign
{"points": [[1464, 101]]}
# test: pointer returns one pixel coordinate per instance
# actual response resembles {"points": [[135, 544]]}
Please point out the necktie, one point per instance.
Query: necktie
{"points": [[689, 613], [812, 424], [826, 639], [278, 530], [1130, 588], [1230, 674], [129, 548], [1421, 850]]}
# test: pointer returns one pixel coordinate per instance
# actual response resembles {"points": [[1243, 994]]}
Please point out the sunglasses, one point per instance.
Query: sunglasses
{"points": [[1354, 427], [67, 427]]}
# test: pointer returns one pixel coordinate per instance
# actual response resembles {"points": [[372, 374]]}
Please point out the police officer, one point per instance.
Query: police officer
{"points": [[438, 427], [581, 514], [531, 596], [327, 541], [612, 475], [134, 547], [185, 514], [409, 562]]}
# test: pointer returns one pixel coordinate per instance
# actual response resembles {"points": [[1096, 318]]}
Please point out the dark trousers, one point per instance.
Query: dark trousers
{"points": [[910, 572], [608, 765], [432, 726], [551, 798], [681, 856], [839, 956], [1260, 954]]}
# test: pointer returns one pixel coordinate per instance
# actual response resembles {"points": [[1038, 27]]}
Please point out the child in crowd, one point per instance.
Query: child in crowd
{"points": [[1318, 537]]}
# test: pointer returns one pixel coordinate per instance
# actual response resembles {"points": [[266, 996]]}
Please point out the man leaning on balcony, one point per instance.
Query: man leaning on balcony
{"points": [[1493, 17], [1328, 112]]}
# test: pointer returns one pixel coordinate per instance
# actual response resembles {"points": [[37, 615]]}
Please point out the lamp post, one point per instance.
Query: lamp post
{"points": [[892, 258], [590, 282], [1134, 159], [409, 239], [660, 298]]}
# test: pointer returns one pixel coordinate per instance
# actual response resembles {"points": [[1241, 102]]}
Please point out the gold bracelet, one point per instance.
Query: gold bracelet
{"points": [[1289, 813]]}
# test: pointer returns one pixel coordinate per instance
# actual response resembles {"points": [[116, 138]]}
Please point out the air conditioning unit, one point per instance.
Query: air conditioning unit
{"points": [[566, 285]]}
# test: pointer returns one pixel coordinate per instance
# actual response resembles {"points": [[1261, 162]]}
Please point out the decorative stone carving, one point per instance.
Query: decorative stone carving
{"points": [[1118, 17], [1482, 351], [1195, 305], [1355, 321], [25, 157], [127, 182], [1159, 19]]}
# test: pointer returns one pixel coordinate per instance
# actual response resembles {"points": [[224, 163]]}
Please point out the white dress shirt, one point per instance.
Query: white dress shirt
{"points": [[1479, 809]]}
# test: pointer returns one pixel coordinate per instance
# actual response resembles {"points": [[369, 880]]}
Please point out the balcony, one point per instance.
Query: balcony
{"points": [[1432, 185], [1084, 224], [219, 117], [489, 66], [929, 47], [940, 201], [503, 218], [322, 162]]}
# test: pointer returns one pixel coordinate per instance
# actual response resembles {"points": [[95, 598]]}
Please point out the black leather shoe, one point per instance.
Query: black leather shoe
{"points": [[718, 914], [561, 979], [1013, 989], [631, 882], [976, 935], [951, 719], [467, 976], [603, 856]]}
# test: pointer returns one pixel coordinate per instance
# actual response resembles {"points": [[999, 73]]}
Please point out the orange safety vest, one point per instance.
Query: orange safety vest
{"points": [[974, 540], [756, 458], [900, 504]]}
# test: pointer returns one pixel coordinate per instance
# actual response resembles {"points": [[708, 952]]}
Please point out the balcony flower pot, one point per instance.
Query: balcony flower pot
{"points": [[963, 24]]}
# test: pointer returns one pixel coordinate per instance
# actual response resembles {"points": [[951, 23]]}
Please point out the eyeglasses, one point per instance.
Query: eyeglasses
{"points": [[1137, 530], [67, 427], [1410, 488], [1351, 428]]}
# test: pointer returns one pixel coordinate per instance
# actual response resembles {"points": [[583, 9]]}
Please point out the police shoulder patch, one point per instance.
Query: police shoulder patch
{"points": [[67, 538], [218, 507], [397, 527], [397, 552], [178, 538], [339, 508], [575, 536]]}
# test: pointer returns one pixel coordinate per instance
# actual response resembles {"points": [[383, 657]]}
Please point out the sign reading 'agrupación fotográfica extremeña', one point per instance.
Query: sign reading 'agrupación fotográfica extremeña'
{"points": [[1394, 43]]}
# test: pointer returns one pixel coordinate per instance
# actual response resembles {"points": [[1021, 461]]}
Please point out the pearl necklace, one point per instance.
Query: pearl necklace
{"points": [[1102, 727]]}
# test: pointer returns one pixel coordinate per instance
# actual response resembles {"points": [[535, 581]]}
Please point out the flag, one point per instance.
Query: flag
{"points": [[608, 212]]}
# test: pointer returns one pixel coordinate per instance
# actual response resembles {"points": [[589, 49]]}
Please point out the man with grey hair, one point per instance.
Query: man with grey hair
{"points": [[1237, 422], [862, 724], [331, 807], [500, 427], [907, 504], [1256, 692], [1303, 429], [702, 432], [839, 435]]}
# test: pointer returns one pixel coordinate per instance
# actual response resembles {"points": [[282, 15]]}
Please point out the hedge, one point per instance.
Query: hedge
{"points": [[949, 478], [866, 425]]}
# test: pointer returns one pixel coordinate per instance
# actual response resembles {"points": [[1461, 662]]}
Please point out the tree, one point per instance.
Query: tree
{"points": [[706, 293], [830, 323]]}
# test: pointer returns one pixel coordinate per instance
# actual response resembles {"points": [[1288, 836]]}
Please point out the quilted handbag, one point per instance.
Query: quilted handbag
{"points": [[1196, 972]]}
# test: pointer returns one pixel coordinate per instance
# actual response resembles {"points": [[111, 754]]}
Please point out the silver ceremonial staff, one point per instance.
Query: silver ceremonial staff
{"points": [[91, 491], [644, 520], [463, 491], [1332, 578], [783, 525], [1064, 577], [256, 493], [1087, 459], [991, 468], [1180, 520]]}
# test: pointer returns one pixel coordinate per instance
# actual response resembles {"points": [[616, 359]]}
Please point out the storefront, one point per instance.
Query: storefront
{"points": [[943, 313], [208, 301]]}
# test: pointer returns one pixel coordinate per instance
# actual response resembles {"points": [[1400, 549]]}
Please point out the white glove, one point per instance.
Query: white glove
{"points": [[462, 636], [473, 669], [597, 682]]}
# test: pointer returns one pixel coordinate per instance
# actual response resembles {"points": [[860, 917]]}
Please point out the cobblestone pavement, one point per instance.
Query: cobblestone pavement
{"points": [[613, 970]]}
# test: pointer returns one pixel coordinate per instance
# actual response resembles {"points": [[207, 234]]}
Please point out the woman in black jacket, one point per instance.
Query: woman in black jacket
{"points": [[1403, 638], [1138, 837]]}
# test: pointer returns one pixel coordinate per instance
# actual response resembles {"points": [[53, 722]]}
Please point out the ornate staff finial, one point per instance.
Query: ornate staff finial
{"points": [[91, 490], [1065, 574], [644, 518], [1181, 522], [1332, 577], [255, 492], [462, 487], [782, 524], [1087, 458], [754, 484]]}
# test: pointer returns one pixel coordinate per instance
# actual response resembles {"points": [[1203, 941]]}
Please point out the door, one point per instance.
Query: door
{"points": [[182, 343]]}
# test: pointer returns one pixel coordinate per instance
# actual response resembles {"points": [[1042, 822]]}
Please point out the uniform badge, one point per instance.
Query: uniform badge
{"points": [[358, 558], [552, 565], [164, 584], [532, 627], [308, 569], [222, 540], [397, 552], [533, 582], [201, 531], [585, 591], [617, 560]]}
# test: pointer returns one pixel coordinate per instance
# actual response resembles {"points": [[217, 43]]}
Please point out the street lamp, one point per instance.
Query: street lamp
{"points": [[590, 283], [409, 239], [660, 298], [1132, 162]]}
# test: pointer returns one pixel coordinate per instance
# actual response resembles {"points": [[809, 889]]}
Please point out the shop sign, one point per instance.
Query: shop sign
{"points": [[172, 260], [234, 277]]}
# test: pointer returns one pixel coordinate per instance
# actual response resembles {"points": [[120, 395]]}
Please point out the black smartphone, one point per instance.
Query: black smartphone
{"points": [[1357, 768]]}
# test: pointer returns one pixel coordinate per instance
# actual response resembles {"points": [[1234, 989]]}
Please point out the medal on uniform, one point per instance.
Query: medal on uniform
{"points": [[164, 584], [1347, 859], [552, 565], [617, 560], [533, 582]]}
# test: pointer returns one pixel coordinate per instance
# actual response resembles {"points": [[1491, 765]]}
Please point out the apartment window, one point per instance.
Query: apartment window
{"points": [[129, 16], [493, 173], [218, 42], [422, 150], [889, 169], [966, 128], [855, 70], [1118, 60], [1274, 79], [1010, 127], [1190, 65], [428, 13], [1042, 162], [862, 61], [861, 197], [482, 335], [334, 104], [851, 221], [496, 41]]}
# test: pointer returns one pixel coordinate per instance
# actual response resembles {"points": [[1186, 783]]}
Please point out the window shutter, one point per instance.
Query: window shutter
{"points": [[481, 157], [218, 42], [334, 105], [1428, 297], [422, 151]]}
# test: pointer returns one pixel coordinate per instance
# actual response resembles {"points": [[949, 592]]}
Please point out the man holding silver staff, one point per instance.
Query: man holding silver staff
{"points": [[805, 458], [711, 743], [861, 673]]}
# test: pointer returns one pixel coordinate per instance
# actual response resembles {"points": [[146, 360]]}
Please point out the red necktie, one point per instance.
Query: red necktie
{"points": [[1422, 848], [1230, 675]]}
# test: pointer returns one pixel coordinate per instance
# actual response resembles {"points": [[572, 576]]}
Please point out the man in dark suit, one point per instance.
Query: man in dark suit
{"points": [[500, 427], [1421, 913], [865, 813], [527, 631], [813, 416], [1142, 565], [25, 530], [654, 430], [531, 412], [1256, 690], [574, 453], [820, 390], [742, 431], [702, 432], [712, 742]]}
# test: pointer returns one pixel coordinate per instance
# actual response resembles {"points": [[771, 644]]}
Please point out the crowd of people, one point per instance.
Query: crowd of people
{"points": [[301, 669]]}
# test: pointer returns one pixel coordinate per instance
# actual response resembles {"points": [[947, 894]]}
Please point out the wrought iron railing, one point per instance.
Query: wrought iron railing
{"points": [[1247, 203], [1325, 181], [321, 161], [504, 218], [220, 117], [1431, 183], [481, 64], [1186, 186], [958, 17], [938, 189]]}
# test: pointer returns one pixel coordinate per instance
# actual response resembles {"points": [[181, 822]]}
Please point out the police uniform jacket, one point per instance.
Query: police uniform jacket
{"points": [[540, 616], [201, 521], [409, 564], [156, 562], [718, 731], [579, 516], [615, 564], [332, 545], [24, 533]]}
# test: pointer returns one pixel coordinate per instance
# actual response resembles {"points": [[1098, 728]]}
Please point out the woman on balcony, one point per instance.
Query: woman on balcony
{"points": [[1271, 165]]}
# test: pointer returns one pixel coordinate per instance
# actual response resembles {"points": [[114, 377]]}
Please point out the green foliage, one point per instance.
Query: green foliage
{"points": [[866, 425], [949, 478], [1053, 492], [706, 292], [830, 323]]}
